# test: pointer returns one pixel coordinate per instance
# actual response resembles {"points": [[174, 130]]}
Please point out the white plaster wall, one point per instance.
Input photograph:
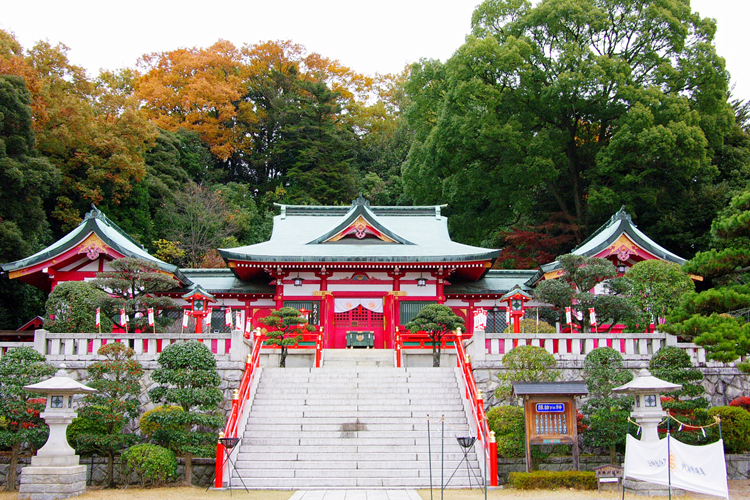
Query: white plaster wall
{"points": [[419, 291]]}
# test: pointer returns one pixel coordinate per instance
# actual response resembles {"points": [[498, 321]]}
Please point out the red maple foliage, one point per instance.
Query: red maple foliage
{"points": [[529, 245]]}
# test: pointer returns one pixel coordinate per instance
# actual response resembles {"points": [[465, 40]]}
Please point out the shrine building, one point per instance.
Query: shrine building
{"points": [[356, 269]]}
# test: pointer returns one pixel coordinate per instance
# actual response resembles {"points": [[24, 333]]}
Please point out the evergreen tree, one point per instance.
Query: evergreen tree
{"points": [[437, 321], [606, 414], [574, 289], [106, 413], [287, 326], [131, 286], [19, 408], [187, 378]]}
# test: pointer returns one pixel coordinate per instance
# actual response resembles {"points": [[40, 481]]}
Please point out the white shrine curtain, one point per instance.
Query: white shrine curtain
{"points": [[344, 305]]}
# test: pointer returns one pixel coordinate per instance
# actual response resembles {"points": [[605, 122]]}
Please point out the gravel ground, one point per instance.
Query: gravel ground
{"points": [[738, 490]]}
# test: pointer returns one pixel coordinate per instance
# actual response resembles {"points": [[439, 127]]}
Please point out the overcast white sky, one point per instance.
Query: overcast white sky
{"points": [[369, 37]]}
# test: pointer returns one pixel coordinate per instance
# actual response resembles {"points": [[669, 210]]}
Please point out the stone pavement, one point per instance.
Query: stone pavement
{"points": [[356, 495]]}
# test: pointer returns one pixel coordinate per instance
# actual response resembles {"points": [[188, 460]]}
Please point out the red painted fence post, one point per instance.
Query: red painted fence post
{"points": [[219, 475], [493, 459]]}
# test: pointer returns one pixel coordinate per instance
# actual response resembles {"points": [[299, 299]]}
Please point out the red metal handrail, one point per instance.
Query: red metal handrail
{"points": [[476, 399], [238, 403], [242, 394]]}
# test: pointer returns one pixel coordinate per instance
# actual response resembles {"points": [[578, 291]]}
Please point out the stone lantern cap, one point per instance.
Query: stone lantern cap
{"points": [[60, 383], [644, 383]]}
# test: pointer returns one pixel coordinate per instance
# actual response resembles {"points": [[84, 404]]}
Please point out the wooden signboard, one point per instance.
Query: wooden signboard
{"points": [[550, 415]]}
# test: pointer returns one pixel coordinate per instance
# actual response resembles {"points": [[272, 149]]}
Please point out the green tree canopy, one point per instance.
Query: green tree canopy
{"points": [[437, 321], [673, 364], [71, 307], [575, 289], [606, 414], [658, 287], [525, 364], [579, 106], [132, 285]]}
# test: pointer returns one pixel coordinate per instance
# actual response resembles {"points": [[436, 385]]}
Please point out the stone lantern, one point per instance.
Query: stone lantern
{"points": [[55, 471], [647, 410]]}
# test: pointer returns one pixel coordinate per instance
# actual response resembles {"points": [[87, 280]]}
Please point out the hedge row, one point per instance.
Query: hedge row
{"points": [[551, 480]]}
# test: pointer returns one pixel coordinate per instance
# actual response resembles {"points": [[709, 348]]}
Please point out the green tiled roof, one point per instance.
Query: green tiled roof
{"points": [[496, 281], [96, 222], [300, 232]]}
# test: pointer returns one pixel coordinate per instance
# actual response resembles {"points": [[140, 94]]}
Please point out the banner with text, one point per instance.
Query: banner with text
{"points": [[694, 468]]}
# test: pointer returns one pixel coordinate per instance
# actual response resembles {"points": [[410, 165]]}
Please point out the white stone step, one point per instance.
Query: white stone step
{"points": [[353, 427]]}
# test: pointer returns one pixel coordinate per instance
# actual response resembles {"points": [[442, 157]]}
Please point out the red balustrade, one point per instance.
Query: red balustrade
{"points": [[476, 401], [309, 340], [238, 403]]}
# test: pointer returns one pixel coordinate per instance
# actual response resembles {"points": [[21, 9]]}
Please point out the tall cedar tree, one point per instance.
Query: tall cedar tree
{"points": [[187, 378], [131, 286], [114, 406], [286, 328], [19, 408], [437, 321]]}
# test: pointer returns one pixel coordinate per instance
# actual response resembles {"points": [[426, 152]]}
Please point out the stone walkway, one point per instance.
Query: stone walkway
{"points": [[356, 495]]}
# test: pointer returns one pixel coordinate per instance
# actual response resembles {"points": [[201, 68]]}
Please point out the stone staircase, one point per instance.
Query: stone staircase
{"points": [[355, 424]]}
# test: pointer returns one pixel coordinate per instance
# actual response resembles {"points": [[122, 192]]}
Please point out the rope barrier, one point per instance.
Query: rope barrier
{"points": [[702, 428]]}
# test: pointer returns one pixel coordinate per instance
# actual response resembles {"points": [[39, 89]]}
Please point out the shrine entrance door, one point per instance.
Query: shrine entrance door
{"points": [[359, 319]]}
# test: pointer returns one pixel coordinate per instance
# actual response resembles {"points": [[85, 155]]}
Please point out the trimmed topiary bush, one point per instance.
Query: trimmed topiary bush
{"points": [[551, 480], [148, 425], [152, 464], [735, 427]]}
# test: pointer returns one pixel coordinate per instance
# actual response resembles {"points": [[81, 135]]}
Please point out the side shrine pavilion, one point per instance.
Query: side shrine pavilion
{"points": [[356, 269]]}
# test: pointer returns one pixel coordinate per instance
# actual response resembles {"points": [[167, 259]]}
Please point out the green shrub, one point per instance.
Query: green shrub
{"points": [[508, 424], [550, 480], [525, 364], [80, 426], [735, 427], [151, 463], [148, 426]]}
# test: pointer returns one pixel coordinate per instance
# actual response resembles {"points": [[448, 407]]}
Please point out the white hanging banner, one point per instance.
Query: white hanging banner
{"points": [[592, 316], [228, 317], [238, 321], [344, 304], [694, 468], [480, 319], [568, 316]]}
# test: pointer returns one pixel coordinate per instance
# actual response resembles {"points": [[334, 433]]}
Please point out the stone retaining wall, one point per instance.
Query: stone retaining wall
{"points": [[203, 471], [722, 384]]}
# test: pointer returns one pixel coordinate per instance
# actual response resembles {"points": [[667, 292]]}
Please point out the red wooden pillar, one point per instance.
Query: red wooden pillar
{"points": [[326, 317], [388, 317]]}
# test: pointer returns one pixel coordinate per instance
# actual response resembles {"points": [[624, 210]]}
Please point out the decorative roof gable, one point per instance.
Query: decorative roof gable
{"points": [[359, 224], [96, 236], [617, 239]]}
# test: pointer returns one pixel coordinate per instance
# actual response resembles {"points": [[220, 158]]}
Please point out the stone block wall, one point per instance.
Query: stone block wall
{"points": [[722, 384], [96, 471]]}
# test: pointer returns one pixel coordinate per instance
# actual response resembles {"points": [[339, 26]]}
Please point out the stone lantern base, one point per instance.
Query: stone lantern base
{"points": [[52, 482]]}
